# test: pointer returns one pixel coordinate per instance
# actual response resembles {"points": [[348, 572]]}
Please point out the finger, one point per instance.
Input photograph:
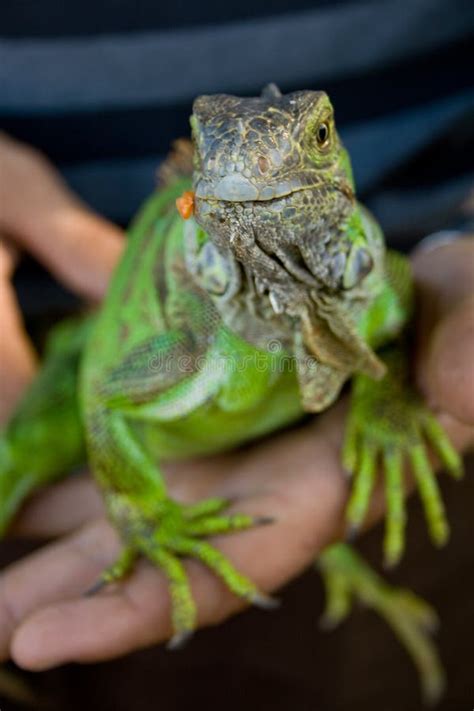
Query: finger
{"points": [[449, 378], [77, 246], [18, 360], [59, 509], [54, 573], [445, 276], [445, 273]]}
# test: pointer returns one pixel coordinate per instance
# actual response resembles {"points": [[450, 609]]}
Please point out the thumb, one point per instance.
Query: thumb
{"points": [[445, 278], [450, 365], [40, 214]]}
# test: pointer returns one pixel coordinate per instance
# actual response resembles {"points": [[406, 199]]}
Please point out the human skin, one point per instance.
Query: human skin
{"points": [[295, 476]]}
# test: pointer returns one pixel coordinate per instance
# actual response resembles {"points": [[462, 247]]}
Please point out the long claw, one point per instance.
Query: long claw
{"points": [[264, 520], [266, 602], [179, 640], [352, 531], [99, 585], [115, 572]]}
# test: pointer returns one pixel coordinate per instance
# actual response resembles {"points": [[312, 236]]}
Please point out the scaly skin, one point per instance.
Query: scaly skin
{"points": [[231, 325]]}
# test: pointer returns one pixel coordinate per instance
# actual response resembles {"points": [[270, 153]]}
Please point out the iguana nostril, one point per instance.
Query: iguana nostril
{"points": [[263, 164]]}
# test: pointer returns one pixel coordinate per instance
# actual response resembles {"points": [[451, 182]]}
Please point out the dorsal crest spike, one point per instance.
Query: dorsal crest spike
{"points": [[271, 91]]}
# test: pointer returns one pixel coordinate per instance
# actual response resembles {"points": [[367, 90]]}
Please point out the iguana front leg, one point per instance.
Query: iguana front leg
{"points": [[163, 530], [389, 424], [151, 523]]}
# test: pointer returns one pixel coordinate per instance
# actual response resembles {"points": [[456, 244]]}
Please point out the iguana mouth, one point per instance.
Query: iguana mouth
{"points": [[236, 187]]}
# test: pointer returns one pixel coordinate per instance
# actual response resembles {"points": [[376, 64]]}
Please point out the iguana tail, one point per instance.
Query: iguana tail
{"points": [[44, 439]]}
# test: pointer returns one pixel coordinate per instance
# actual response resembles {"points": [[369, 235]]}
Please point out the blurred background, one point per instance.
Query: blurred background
{"points": [[103, 87]]}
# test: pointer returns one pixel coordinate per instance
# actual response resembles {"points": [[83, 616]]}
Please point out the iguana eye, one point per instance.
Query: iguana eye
{"points": [[322, 134]]}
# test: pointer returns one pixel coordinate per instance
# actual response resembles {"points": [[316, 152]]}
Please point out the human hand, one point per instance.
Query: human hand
{"points": [[40, 215], [445, 278], [295, 477]]}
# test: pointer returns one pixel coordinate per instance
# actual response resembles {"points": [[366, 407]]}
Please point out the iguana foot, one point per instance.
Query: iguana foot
{"points": [[347, 577], [167, 534], [389, 424]]}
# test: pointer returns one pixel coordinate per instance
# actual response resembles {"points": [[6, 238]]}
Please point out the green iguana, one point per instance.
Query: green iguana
{"points": [[229, 325]]}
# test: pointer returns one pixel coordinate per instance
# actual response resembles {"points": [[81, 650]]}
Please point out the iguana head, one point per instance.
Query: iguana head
{"points": [[273, 188], [267, 147], [272, 178]]}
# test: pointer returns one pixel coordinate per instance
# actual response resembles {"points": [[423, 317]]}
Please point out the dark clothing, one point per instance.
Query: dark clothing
{"points": [[103, 88]]}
